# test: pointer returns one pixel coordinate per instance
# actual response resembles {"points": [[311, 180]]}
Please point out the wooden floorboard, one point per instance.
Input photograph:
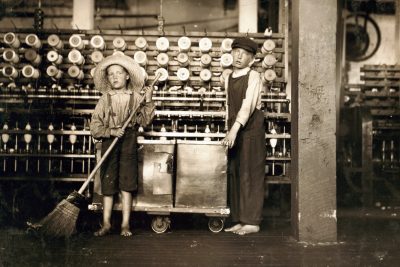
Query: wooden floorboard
{"points": [[362, 242]]}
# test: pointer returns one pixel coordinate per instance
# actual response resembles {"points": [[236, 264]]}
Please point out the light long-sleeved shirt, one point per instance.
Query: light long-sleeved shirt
{"points": [[103, 121], [252, 99]]}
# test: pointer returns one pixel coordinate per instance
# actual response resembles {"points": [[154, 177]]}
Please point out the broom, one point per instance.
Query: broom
{"points": [[62, 220]]}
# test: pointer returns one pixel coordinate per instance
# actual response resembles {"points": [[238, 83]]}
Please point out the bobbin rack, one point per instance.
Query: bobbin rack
{"points": [[47, 95], [371, 111]]}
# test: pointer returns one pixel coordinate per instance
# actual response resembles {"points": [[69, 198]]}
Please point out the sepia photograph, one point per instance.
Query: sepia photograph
{"points": [[199, 133]]}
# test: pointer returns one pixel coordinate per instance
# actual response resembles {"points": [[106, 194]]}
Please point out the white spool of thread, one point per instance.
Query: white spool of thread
{"points": [[75, 72], [96, 56], [226, 60], [184, 44], [273, 141], [183, 59], [119, 43], [10, 71], [72, 137], [205, 60], [162, 59], [10, 55], [268, 46], [54, 57], [76, 57], [12, 40], [29, 71], [141, 43], [164, 74], [163, 130], [54, 72], [268, 61], [205, 44], [33, 56], [5, 137], [33, 41], [55, 42], [27, 135], [141, 58], [183, 74], [75, 41], [205, 75], [226, 45], [97, 42], [162, 44], [207, 131], [269, 76], [50, 136]]}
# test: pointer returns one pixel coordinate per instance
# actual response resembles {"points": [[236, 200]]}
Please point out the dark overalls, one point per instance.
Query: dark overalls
{"points": [[120, 170], [246, 158]]}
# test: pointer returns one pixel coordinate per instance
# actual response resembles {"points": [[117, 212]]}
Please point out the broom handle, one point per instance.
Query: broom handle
{"points": [[108, 151]]}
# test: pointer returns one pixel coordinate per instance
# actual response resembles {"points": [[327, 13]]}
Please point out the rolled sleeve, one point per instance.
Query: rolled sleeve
{"points": [[146, 114], [252, 98], [98, 126]]}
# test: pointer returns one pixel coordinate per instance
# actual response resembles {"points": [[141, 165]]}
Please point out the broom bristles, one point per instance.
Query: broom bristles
{"points": [[61, 222]]}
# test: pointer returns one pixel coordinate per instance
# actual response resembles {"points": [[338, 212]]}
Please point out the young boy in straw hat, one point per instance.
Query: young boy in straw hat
{"points": [[245, 140], [119, 79]]}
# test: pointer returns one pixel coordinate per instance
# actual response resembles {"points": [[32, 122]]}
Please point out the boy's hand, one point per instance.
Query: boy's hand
{"points": [[117, 132], [149, 94], [229, 139]]}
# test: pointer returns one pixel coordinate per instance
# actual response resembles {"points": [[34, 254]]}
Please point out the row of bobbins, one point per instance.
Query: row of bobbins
{"points": [[184, 44], [54, 56], [75, 56], [31, 54], [98, 44], [268, 61]]}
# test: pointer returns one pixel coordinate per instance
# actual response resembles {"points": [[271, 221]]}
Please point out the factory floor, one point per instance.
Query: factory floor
{"points": [[365, 238]]}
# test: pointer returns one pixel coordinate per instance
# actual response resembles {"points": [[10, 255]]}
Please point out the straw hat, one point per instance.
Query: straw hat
{"points": [[136, 77]]}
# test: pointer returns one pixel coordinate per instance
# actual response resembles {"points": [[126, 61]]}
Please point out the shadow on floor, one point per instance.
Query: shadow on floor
{"points": [[363, 240]]}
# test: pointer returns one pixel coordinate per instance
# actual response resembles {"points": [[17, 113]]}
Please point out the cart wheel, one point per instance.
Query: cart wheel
{"points": [[216, 224], [160, 224]]}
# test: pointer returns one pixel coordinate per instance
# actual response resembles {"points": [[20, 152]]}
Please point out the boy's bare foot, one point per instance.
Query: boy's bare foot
{"points": [[247, 229], [126, 232], [234, 228], [103, 231]]}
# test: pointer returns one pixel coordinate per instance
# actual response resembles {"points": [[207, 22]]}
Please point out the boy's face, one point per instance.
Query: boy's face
{"points": [[241, 58], [117, 77]]}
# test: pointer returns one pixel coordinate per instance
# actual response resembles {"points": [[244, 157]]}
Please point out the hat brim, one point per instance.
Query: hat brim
{"points": [[136, 77]]}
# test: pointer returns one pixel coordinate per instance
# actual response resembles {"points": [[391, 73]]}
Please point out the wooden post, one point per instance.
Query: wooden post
{"points": [[397, 31], [83, 14], [248, 15], [314, 34]]}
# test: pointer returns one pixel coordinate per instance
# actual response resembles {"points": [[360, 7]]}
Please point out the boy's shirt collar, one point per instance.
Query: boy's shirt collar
{"points": [[240, 72], [124, 91]]}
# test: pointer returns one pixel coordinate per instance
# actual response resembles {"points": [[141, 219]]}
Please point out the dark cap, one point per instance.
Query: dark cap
{"points": [[245, 43]]}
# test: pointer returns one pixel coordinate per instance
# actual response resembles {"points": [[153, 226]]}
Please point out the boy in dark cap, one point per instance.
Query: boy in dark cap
{"points": [[245, 139]]}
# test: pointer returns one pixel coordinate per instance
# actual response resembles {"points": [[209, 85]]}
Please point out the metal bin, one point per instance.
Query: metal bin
{"points": [[201, 177]]}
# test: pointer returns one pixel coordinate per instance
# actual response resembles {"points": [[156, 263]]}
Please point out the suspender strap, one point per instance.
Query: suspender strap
{"points": [[110, 109], [131, 103]]}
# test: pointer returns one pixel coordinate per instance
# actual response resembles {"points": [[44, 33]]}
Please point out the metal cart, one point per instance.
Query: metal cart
{"points": [[179, 177]]}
